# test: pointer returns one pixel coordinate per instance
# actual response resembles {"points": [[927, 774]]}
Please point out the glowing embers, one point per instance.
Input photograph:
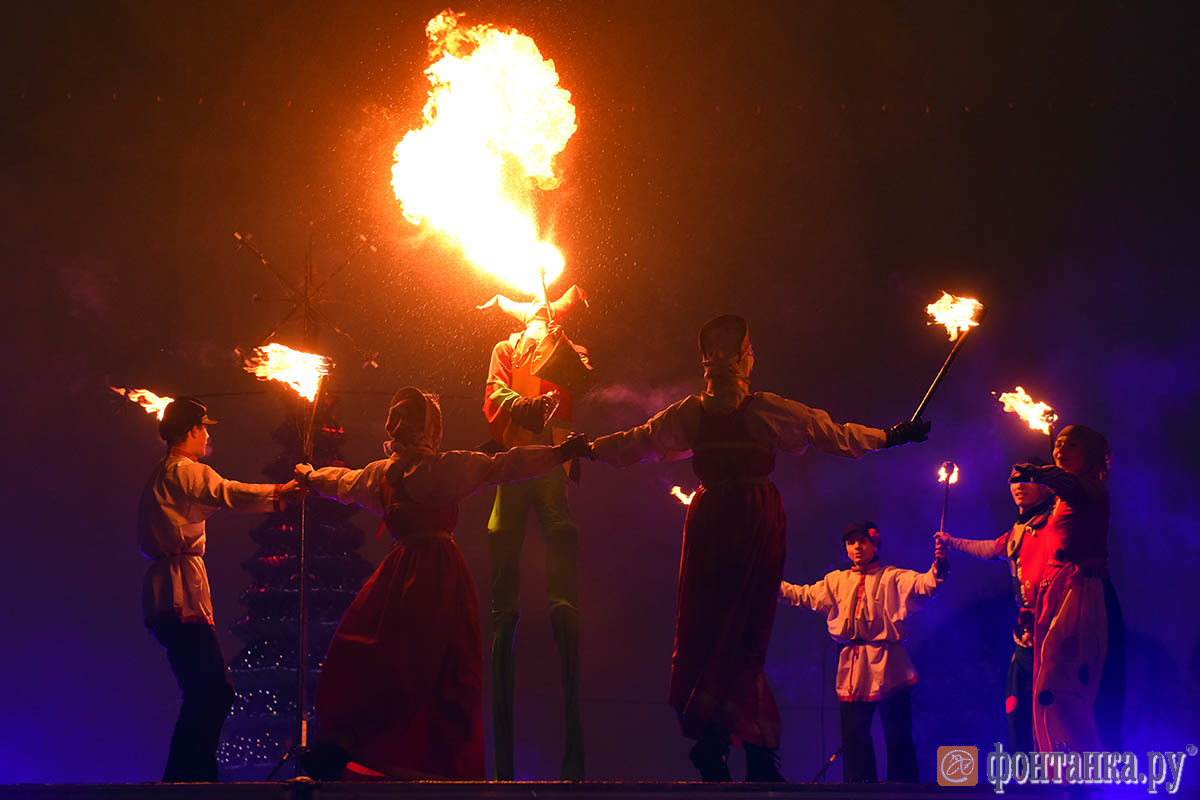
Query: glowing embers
{"points": [[958, 314], [146, 399], [301, 371], [475, 172], [686, 499], [1038, 416], [943, 475]]}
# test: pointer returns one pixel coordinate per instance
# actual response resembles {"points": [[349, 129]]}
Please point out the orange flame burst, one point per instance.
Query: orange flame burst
{"points": [[146, 399], [958, 314], [301, 371], [494, 121], [1037, 415], [686, 499], [953, 476]]}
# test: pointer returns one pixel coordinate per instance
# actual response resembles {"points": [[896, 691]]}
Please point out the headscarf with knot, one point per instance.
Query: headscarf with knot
{"points": [[728, 358], [414, 420]]}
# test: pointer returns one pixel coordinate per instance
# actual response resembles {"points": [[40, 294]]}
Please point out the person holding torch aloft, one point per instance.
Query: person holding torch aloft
{"points": [[401, 692], [1078, 630], [734, 540], [176, 600], [523, 407]]}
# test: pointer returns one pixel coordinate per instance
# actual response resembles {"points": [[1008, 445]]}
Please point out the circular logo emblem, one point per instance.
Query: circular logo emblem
{"points": [[957, 766]]}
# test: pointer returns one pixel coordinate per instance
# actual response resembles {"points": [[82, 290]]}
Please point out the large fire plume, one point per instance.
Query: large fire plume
{"points": [[958, 314], [495, 119], [686, 499], [1037, 415], [146, 399], [301, 371]]}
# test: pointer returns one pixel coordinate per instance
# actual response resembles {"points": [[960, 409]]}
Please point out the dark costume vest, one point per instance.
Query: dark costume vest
{"points": [[405, 517], [725, 452]]}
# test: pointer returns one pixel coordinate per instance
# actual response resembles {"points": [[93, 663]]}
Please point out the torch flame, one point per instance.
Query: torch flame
{"points": [[146, 399], [301, 371], [686, 499], [958, 314], [942, 473], [494, 121], [1037, 415]]}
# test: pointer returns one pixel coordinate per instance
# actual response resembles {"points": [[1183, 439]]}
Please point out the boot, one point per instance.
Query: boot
{"points": [[710, 755], [564, 622], [504, 629], [762, 765]]}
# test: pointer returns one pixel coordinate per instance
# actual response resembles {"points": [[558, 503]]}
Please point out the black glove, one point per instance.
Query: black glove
{"points": [[530, 412], [1023, 473], [576, 446], [905, 432]]}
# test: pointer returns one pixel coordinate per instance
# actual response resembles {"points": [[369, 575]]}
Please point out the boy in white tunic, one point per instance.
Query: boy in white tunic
{"points": [[176, 604], [866, 606]]}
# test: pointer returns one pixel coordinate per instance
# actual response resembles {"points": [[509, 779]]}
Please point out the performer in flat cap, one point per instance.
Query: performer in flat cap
{"points": [[401, 690], [733, 541], [523, 406], [176, 602]]}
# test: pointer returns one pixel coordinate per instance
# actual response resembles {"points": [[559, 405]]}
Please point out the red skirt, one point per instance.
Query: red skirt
{"points": [[402, 686], [729, 572]]}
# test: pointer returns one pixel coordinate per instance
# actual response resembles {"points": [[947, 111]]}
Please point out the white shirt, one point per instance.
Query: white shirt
{"points": [[180, 495], [874, 663]]}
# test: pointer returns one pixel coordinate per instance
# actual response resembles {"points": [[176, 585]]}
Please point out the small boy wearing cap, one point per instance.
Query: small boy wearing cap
{"points": [[866, 606], [177, 605]]}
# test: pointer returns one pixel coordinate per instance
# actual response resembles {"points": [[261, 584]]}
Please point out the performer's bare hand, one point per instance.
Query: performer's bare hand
{"points": [[495, 301], [289, 489], [941, 545]]}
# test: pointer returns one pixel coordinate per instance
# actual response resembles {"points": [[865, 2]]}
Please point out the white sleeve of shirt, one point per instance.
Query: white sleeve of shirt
{"points": [[794, 426], [361, 486], [203, 486]]}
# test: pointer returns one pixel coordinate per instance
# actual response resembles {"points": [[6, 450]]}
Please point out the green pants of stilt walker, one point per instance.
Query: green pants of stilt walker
{"points": [[547, 495]]}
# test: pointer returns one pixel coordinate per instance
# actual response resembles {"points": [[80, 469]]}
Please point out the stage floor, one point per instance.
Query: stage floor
{"points": [[591, 790]]}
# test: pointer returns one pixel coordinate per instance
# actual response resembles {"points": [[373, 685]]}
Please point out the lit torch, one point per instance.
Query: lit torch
{"points": [[495, 120], [947, 474], [686, 499], [146, 399], [1039, 416], [960, 315], [305, 373]]}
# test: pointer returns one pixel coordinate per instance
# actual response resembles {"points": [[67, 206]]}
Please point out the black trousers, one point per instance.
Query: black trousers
{"points": [[195, 657], [1019, 703], [895, 711]]}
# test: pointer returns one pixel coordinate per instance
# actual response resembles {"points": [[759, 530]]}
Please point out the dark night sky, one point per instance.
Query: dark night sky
{"points": [[823, 168]]}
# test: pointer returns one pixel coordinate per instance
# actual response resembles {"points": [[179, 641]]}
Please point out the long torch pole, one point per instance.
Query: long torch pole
{"points": [[937, 381], [302, 667]]}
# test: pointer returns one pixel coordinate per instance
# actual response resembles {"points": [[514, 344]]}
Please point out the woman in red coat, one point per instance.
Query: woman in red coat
{"points": [[1078, 635], [400, 694]]}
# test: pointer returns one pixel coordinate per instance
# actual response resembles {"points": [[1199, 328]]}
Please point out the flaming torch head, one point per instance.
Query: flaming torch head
{"points": [[146, 399], [948, 473], [958, 314], [494, 122], [301, 371], [1038, 416], [686, 499]]}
